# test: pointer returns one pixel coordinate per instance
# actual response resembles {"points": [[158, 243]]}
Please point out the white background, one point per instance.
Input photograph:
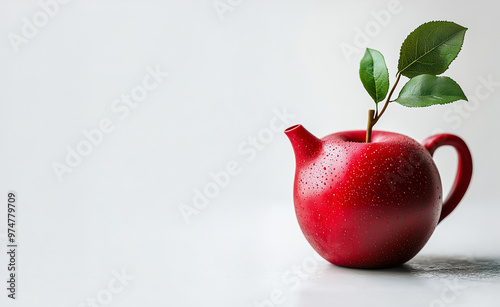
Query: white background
{"points": [[228, 73]]}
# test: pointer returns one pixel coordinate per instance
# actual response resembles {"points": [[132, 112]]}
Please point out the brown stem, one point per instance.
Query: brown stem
{"points": [[371, 115], [388, 99]]}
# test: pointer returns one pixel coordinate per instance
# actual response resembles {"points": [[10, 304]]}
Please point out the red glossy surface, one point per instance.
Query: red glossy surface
{"points": [[371, 205]]}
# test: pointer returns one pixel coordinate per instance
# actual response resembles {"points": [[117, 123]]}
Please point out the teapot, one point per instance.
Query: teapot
{"points": [[372, 205]]}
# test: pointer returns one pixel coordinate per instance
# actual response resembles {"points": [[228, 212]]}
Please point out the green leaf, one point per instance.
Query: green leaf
{"points": [[428, 90], [374, 75], [430, 48]]}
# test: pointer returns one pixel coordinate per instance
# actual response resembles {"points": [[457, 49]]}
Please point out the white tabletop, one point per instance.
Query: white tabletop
{"points": [[262, 259]]}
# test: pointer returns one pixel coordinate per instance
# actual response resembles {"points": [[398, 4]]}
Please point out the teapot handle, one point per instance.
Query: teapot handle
{"points": [[464, 170]]}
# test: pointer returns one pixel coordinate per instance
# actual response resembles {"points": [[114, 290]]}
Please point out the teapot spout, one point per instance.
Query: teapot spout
{"points": [[305, 145]]}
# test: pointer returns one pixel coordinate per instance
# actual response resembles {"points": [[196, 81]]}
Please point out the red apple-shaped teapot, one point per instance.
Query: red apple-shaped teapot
{"points": [[372, 205]]}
